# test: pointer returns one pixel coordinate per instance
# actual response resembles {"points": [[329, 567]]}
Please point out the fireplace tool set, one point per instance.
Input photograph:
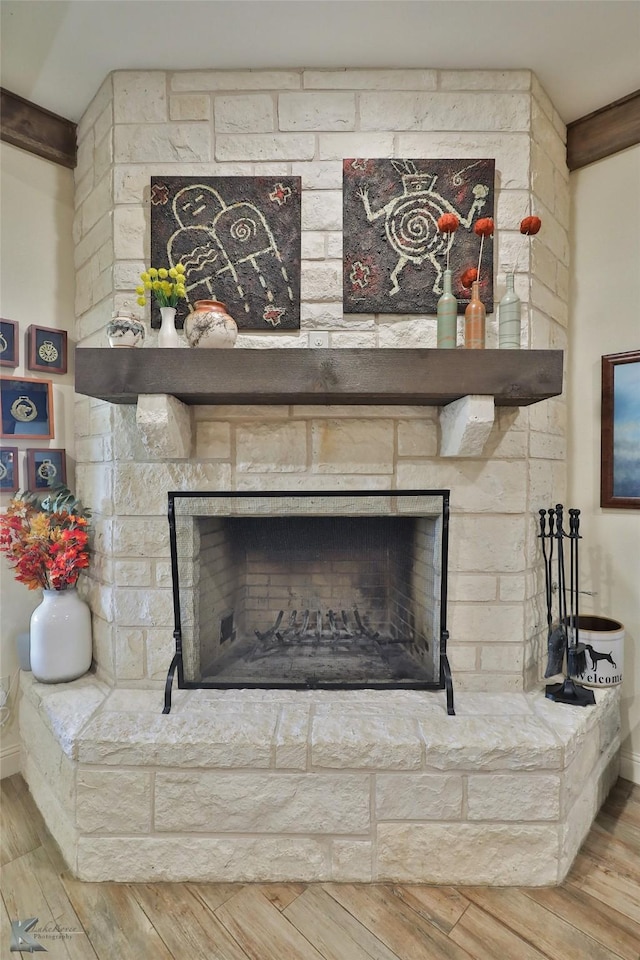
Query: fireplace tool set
{"points": [[563, 641]]}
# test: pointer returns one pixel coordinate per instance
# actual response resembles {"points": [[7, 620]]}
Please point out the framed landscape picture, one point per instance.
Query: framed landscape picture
{"points": [[9, 343], [47, 349], [46, 468], [26, 409], [620, 431], [9, 478]]}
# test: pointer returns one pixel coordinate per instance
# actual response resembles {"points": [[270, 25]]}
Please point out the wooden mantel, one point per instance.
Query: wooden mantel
{"points": [[319, 376]]}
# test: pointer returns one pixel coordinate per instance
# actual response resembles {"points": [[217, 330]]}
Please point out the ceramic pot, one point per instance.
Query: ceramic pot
{"points": [[60, 633], [474, 320], [209, 325], [509, 310], [447, 315], [125, 330]]}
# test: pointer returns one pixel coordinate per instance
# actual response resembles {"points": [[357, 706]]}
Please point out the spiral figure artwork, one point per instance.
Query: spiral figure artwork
{"points": [[394, 254], [238, 239]]}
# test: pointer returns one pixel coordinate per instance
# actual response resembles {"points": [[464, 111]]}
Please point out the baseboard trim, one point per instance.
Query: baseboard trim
{"points": [[630, 766], [10, 760]]}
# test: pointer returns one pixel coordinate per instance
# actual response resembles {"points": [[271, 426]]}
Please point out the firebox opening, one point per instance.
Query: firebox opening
{"points": [[295, 590]]}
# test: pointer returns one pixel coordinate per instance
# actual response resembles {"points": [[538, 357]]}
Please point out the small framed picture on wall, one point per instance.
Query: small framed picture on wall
{"points": [[9, 475], [47, 349], [620, 431], [26, 409], [9, 344], [45, 469]]}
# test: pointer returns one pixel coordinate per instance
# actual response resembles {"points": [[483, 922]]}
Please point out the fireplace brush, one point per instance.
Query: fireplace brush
{"points": [[563, 639]]}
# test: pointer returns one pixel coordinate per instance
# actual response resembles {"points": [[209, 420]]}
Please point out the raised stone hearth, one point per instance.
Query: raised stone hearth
{"points": [[290, 785]]}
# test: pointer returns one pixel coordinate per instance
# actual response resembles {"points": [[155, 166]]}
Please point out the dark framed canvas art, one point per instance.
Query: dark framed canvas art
{"points": [[9, 344], [620, 431], [394, 256], [47, 349], [26, 408], [238, 239], [46, 468], [9, 473]]}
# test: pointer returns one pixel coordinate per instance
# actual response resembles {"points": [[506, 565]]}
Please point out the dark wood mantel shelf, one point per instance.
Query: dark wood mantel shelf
{"points": [[324, 376]]}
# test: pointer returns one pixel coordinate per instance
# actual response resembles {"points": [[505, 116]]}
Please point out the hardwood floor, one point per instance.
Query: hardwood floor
{"points": [[594, 915]]}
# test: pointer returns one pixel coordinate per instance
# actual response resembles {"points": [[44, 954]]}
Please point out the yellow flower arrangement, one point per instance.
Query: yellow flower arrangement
{"points": [[166, 286]]}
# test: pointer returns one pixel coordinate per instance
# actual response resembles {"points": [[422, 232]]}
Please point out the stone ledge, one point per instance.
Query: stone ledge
{"points": [[313, 785]]}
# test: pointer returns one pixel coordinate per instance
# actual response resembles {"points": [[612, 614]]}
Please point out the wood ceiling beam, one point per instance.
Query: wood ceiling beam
{"points": [[604, 132], [32, 128]]}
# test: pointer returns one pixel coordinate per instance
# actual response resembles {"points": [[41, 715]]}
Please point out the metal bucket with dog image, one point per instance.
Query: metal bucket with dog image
{"points": [[603, 640]]}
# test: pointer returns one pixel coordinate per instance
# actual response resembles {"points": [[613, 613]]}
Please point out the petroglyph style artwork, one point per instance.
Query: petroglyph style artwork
{"points": [[239, 241], [394, 255]]}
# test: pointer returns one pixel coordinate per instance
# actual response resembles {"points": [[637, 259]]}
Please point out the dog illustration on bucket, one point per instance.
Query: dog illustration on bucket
{"points": [[604, 645]]}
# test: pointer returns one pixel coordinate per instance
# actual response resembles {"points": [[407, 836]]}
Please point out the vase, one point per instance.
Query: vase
{"points": [[209, 325], [60, 632], [168, 335], [447, 315], [509, 310], [125, 330], [474, 320]]}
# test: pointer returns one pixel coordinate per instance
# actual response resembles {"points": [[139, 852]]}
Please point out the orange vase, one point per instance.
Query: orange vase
{"points": [[474, 320]]}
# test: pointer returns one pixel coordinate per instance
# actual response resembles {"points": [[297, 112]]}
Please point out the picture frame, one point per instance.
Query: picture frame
{"points": [[9, 343], [620, 431], [45, 468], [26, 409], [9, 470], [46, 349]]}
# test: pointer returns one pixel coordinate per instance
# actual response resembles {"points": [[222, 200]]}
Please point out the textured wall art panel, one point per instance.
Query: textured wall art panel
{"points": [[239, 240], [394, 255]]}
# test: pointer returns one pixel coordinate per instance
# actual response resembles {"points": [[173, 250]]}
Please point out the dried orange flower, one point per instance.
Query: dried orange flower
{"points": [[448, 223], [484, 227], [530, 226], [468, 277]]}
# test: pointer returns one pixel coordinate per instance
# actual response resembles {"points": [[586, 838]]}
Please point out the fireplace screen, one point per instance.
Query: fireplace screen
{"points": [[325, 590]]}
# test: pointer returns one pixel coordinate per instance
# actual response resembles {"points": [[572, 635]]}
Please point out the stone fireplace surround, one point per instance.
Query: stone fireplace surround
{"points": [[285, 785]]}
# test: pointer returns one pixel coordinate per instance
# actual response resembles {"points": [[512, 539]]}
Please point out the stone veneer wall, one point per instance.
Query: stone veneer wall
{"points": [[303, 123]]}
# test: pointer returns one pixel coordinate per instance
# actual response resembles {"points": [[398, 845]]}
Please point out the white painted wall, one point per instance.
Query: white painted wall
{"points": [[604, 319], [37, 283]]}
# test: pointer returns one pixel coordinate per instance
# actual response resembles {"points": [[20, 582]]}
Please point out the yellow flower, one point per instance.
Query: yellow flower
{"points": [[153, 273], [162, 273], [179, 268], [140, 291], [156, 285], [173, 272], [145, 276], [148, 285], [180, 290], [141, 301]]}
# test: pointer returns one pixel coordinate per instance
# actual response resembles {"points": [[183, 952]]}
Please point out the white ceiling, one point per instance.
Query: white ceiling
{"points": [[586, 53]]}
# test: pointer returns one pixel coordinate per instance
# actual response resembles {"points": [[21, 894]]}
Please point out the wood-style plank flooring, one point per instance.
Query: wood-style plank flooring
{"points": [[594, 915]]}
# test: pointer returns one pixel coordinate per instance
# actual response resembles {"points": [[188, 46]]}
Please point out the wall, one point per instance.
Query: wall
{"points": [[276, 123], [37, 282], [604, 319]]}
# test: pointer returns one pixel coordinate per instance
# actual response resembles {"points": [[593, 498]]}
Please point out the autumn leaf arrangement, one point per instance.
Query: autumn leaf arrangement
{"points": [[45, 539]]}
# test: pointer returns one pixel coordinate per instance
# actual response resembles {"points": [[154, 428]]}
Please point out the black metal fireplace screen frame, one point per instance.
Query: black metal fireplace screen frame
{"points": [[444, 681]]}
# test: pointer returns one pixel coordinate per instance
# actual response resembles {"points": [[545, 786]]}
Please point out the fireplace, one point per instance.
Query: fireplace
{"points": [[310, 590]]}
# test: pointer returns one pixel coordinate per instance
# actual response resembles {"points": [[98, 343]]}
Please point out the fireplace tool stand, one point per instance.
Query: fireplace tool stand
{"points": [[563, 642]]}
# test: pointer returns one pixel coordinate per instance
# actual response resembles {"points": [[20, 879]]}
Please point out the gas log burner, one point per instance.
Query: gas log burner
{"points": [[310, 590]]}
